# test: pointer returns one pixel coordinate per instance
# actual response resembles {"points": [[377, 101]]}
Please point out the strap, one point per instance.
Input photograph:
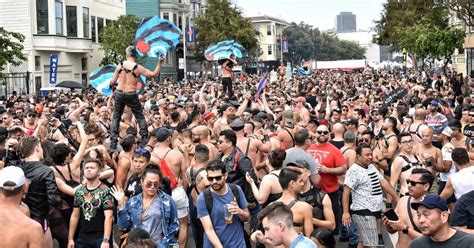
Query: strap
{"points": [[61, 174], [248, 147], [345, 150], [133, 71], [235, 192], [387, 138], [291, 136], [410, 215], [236, 159], [292, 203], [69, 170], [193, 178], [166, 154], [121, 68], [208, 199]]}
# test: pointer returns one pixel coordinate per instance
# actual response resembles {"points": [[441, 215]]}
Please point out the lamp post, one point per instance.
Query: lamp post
{"points": [[184, 40], [281, 41]]}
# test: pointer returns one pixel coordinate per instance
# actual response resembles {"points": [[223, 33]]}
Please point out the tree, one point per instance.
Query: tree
{"points": [[222, 21], [11, 49], [117, 36], [441, 44], [463, 9], [306, 43]]}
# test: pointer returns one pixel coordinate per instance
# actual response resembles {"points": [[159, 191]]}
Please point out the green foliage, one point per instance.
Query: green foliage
{"points": [[398, 16], [222, 21], [463, 9], [307, 43], [11, 48], [117, 36]]}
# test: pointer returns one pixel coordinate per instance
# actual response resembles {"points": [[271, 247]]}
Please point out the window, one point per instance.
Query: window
{"points": [[100, 27], [84, 64], [270, 49], [93, 34], [180, 23], [42, 16], [71, 20], [108, 22], [85, 21], [58, 6], [169, 58], [269, 29], [166, 16], [84, 79], [175, 19], [37, 63]]}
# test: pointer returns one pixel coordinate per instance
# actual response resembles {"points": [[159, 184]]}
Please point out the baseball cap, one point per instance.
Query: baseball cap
{"points": [[297, 163], [352, 122], [434, 103], [209, 116], [224, 107], [446, 131], [162, 134], [300, 99], [237, 124], [431, 201], [11, 178], [154, 107]]}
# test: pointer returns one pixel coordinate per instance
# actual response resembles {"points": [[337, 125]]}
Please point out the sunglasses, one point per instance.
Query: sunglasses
{"points": [[414, 183], [471, 115], [32, 116], [151, 184], [344, 109], [216, 178], [141, 150], [407, 142], [323, 132], [364, 140]]}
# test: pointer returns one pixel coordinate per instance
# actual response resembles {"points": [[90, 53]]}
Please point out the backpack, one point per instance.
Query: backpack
{"points": [[193, 175]]}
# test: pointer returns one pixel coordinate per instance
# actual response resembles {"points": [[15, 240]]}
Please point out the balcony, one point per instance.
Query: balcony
{"points": [[61, 43]]}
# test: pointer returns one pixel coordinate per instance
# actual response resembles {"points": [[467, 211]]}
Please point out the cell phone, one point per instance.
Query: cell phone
{"points": [[391, 215]]}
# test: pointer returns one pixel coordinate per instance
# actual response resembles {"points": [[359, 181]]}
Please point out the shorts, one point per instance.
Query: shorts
{"points": [[441, 185], [43, 222], [366, 229], [182, 203]]}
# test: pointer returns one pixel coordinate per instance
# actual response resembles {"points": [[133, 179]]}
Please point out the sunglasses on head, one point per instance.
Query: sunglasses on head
{"points": [[141, 150], [323, 132], [217, 178], [414, 183], [151, 184]]}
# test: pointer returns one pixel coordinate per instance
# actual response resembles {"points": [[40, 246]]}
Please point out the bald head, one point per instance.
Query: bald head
{"points": [[338, 129], [420, 114], [201, 130]]}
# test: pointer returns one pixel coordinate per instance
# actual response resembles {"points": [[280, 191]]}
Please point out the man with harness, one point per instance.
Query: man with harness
{"points": [[128, 73]]}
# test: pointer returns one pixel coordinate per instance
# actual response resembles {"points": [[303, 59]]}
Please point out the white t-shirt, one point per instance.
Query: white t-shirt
{"points": [[463, 181], [366, 189], [446, 151]]}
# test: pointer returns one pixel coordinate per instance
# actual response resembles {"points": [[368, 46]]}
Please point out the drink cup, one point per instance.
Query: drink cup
{"points": [[227, 214]]}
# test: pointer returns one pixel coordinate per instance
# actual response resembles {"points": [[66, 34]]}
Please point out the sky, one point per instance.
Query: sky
{"points": [[319, 13]]}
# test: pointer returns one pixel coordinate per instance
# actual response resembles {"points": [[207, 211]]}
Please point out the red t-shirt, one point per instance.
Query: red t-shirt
{"points": [[331, 157]]}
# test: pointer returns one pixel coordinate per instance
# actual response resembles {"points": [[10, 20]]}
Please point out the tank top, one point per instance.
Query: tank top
{"points": [[462, 181], [272, 197]]}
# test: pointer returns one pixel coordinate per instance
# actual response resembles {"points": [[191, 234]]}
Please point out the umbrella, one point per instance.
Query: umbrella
{"points": [[70, 85], [223, 50], [100, 79], [156, 36]]}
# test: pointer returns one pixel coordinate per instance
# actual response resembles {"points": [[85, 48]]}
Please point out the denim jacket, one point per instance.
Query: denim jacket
{"points": [[130, 217]]}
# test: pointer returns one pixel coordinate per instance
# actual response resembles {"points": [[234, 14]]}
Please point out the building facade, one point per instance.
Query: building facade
{"points": [[68, 28], [374, 53], [346, 22], [270, 29]]}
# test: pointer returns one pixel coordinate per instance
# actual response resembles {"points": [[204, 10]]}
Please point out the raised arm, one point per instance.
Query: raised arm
{"points": [[147, 73]]}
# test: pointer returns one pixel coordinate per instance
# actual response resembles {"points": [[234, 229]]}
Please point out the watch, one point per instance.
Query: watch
{"points": [[405, 230], [105, 240]]}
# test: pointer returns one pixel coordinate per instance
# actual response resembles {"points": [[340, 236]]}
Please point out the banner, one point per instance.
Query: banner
{"points": [[285, 46], [190, 34], [395, 95], [53, 69]]}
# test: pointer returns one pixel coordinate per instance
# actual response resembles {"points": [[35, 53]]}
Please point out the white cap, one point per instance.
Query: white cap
{"points": [[447, 131], [13, 175]]}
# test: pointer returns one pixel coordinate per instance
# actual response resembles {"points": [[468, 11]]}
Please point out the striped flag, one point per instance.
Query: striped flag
{"points": [[261, 86]]}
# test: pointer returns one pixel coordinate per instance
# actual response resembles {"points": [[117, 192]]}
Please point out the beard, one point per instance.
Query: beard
{"points": [[322, 139], [196, 140], [217, 186]]}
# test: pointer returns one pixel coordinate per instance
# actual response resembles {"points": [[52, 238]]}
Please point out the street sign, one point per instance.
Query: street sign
{"points": [[285, 46], [53, 69]]}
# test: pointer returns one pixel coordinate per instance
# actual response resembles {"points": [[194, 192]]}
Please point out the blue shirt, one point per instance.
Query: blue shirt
{"points": [[230, 235], [302, 242]]}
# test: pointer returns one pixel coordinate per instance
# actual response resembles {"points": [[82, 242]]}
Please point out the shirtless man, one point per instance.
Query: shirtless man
{"points": [[429, 154], [173, 166], [222, 123], [302, 111], [200, 135], [407, 226], [104, 119], [128, 73], [418, 123], [125, 159], [287, 133], [281, 71], [404, 163], [348, 151], [17, 229], [227, 75], [249, 146], [387, 146]]}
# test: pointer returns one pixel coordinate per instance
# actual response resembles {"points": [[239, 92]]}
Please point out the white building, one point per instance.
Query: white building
{"points": [[374, 53], [270, 29], [68, 28]]}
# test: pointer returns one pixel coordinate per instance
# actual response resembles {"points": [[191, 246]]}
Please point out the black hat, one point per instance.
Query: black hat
{"points": [[237, 124], [162, 134], [154, 107]]}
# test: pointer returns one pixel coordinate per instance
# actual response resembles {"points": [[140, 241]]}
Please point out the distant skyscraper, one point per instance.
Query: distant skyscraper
{"points": [[346, 22]]}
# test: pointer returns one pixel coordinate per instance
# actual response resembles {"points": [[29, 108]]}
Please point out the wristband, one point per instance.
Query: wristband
{"points": [[105, 240]]}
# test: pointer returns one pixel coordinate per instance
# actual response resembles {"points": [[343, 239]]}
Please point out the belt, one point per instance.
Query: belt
{"points": [[126, 92]]}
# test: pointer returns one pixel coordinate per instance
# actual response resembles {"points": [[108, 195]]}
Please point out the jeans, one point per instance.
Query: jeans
{"points": [[227, 85], [351, 233], [336, 208], [197, 228], [90, 243], [131, 100]]}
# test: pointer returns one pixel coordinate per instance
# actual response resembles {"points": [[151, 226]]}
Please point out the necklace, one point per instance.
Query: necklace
{"points": [[145, 209]]}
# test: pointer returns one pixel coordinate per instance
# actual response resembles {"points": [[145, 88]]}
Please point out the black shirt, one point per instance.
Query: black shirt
{"points": [[134, 186], [458, 240], [463, 214], [338, 144]]}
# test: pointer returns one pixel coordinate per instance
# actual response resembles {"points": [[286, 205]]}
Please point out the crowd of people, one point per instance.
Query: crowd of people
{"points": [[334, 155]]}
